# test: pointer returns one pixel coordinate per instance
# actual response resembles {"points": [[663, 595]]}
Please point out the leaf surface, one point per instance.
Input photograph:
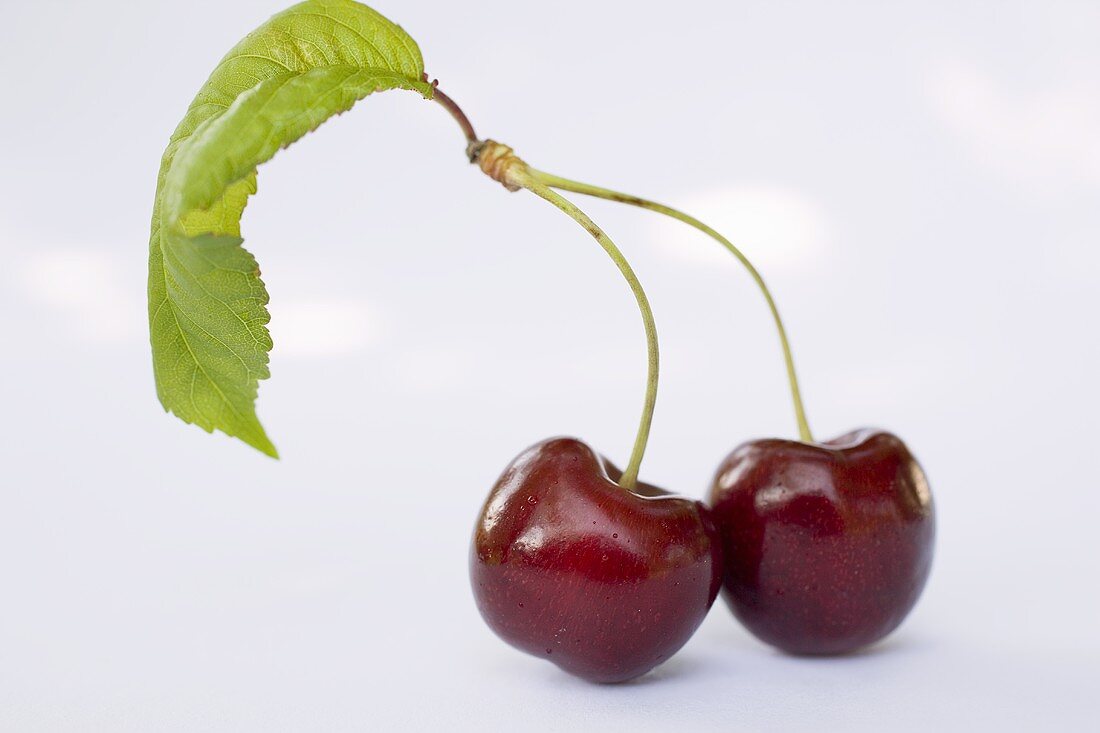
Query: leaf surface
{"points": [[207, 304]]}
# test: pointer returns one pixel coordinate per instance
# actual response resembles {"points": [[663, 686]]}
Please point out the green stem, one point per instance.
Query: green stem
{"points": [[535, 186], [583, 188]]}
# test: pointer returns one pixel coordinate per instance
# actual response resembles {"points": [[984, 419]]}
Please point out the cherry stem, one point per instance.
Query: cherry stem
{"points": [[460, 117], [588, 190], [528, 179], [498, 162]]}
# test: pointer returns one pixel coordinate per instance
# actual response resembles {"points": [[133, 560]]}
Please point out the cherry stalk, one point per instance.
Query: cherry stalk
{"points": [[792, 378]]}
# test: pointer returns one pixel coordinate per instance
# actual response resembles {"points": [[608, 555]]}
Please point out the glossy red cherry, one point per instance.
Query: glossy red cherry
{"points": [[604, 582], [827, 546]]}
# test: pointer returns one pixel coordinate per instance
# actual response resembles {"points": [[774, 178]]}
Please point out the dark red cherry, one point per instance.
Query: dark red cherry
{"points": [[826, 546], [604, 582]]}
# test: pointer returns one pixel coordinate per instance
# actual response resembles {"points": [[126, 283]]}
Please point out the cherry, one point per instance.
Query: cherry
{"points": [[827, 546], [605, 582]]}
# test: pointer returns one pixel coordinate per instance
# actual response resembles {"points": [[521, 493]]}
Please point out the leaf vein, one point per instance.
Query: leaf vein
{"points": [[227, 307]]}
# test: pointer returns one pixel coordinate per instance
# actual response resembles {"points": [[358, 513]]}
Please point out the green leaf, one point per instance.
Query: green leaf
{"points": [[207, 304]]}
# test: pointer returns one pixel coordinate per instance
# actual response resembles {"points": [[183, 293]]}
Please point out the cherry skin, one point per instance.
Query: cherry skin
{"points": [[604, 582], [827, 546]]}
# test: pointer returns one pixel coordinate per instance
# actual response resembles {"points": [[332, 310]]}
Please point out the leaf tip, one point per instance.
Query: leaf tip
{"points": [[262, 443]]}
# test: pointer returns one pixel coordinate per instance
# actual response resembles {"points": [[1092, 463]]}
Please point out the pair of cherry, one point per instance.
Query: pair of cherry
{"points": [[819, 548]]}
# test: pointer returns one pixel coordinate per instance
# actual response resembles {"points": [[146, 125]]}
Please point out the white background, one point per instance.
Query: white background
{"points": [[918, 181]]}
